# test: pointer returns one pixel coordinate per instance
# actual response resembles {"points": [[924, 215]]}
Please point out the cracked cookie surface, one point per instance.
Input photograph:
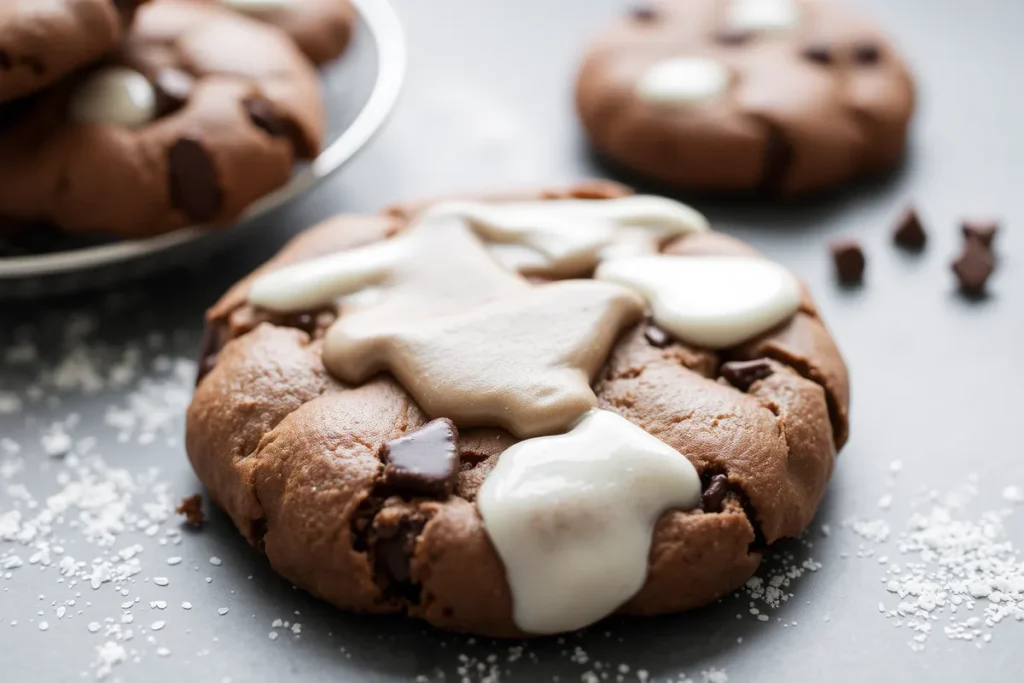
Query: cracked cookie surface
{"points": [[781, 97], [300, 460], [198, 114]]}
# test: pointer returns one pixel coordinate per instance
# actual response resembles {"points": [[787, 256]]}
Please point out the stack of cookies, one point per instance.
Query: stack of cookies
{"points": [[131, 118]]}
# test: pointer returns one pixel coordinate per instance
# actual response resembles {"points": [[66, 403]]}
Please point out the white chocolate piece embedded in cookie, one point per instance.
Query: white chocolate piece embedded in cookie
{"points": [[569, 237], [114, 95], [710, 301], [571, 517], [684, 81], [258, 7], [763, 15]]}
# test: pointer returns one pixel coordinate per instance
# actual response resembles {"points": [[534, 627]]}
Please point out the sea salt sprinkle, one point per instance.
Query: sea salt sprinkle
{"points": [[113, 516], [956, 573]]}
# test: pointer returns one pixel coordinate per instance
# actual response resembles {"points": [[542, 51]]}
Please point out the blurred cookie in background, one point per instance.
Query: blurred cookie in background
{"points": [[199, 113], [780, 97], [40, 42]]}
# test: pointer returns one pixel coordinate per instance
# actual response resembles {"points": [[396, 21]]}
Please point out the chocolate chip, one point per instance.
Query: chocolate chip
{"points": [[778, 156], [849, 261], [173, 87], [866, 53], [209, 348], [36, 64], [982, 230], [265, 116], [743, 373], [5, 61], [193, 180], [643, 12], [394, 547], [909, 232], [192, 508], [819, 53], [973, 267], [733, 36], [714, 494], [656, 336], [424, 462]]}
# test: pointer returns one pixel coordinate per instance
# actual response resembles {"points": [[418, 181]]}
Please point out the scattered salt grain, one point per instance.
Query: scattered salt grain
{"points": [[215, 561], [160, 580], [222, 611]]}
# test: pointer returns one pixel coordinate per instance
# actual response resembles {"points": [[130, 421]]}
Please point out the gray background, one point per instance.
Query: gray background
{"points": [[936, 378]]}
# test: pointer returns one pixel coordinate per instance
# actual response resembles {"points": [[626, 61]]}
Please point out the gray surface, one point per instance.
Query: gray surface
{"points": [[936, 379]]}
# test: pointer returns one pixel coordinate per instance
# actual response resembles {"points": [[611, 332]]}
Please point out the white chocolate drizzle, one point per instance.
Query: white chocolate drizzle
{"points": [[571, 517], [710, 301]]}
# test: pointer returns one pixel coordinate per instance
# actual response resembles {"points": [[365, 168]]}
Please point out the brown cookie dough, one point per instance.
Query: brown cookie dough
{"points": [[304, 464], [200, 113], [40, 42], [782, 97], [321, 28]]}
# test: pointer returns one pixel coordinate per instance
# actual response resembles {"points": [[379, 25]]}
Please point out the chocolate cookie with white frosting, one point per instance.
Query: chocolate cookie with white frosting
{"points": [[199, 113], [41, 42], [321, 28], [510, 416], [780, 97]]}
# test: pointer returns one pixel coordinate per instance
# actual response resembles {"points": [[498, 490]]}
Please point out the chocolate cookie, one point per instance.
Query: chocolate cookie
{"points": [[782, 97], [321, 28], [200, 113], [40, 42], [516, 417]]}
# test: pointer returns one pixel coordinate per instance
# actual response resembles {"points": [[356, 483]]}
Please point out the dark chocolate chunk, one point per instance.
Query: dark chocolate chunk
{"points": [[743, 373], [173, 87], [714, 494], [909, 232], [983, 231], [195, 190], [656, 336], [393, 549], [265, 116], [819, 53], [866, 53], [733, 36], [34, 63], [209, 348], [5, 61], [849, 261], [778, 157], [643, 12], [973, 267], [424, 462], [192, 508]]}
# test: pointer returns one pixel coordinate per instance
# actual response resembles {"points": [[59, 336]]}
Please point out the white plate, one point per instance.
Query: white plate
{"points": [[102, 264]]}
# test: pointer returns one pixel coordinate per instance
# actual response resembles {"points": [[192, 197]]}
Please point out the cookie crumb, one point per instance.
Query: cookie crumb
{"points": [[192, 508]]}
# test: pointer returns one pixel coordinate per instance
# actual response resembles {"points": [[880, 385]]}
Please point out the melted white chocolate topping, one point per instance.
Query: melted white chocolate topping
{"points": [[710, 301], [571, 517], [763, 15], [684, 81], [468, 339], [569, 237]]}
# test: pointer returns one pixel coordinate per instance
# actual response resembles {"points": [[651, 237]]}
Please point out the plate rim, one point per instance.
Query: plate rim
{"points": [[386, 31]]}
